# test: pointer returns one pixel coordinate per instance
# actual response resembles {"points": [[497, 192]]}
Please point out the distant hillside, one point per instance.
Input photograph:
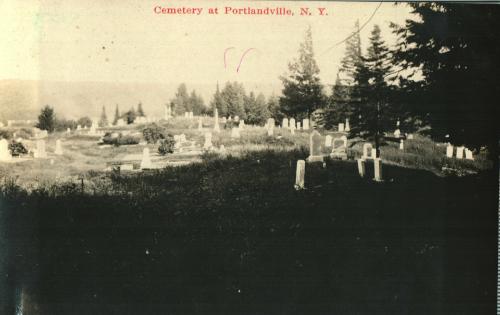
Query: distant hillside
{"points": [[20, 99]]}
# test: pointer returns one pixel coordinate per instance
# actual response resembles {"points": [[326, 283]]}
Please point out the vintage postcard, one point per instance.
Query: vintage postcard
{"points": [[248, 157]]}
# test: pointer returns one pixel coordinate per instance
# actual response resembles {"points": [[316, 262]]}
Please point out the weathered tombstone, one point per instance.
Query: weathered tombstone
{"points": [[222, 149], [468, 154], [410, 136], [305, 124], [120, 122], [40, 150], [186, 114], [270, 132], [236, 118], [216, 120], [79, 127], [200, 124], [235, 133], [339, 151], [328, 141], [401, 144], [43, 134], [300, 174], [397, 123], [347, 127], [224, 120], [292, 131], [460, 152], [208, 140], [285, 123], [298, 125], [361, 167], [68, 130], [397, 133], [374, 153], [146, 160], [449, 151], [366, 147], [241, 124], [341, 127], [5, 154], [58, 149], [270, 123], [377, 165], [315, 147], [292, 123]]}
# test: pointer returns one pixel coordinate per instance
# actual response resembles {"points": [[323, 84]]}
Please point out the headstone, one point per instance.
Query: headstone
{"points": [[292, 131], [5, 154], [367, 147], [305, 124], [298, 125], [235, 133], [120, 122], [374, 153], [347, 127], [397, 123], [222, 149], [401, 145], [186, 114], [79, 127], [236, 118], [397, 133], [468, 154], [168, 111], [40, 152], [460, 152], [362, 167], [146, 160], [224, 120], [377, 165], [58, 149], [200, 124], [300, 174], [328, 141], [182, 138], [410, 136], [68, 130], [270, 123], [216, 121], [241, 124], [270, 132], [285, 123], [208, 141], [339, 151], [341, 127], [449, 151], [315, 147], [292, 123]]}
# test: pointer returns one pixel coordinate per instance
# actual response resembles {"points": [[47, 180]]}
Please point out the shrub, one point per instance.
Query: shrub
{"points": [[153, 134], [166, 145], [119, 139], [63, 124], [17, 148], [5, 134]]}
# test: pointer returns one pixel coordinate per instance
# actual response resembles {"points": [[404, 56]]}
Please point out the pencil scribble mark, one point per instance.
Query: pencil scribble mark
{"points": [[243, 56], [225, 51]]}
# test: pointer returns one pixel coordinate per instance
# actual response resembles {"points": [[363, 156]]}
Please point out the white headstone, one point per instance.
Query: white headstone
{"points": [[397, 133], [401, 144], [285, 123], [315, 147], [374, 153], [377, 165], [68, 130], [347, 127], [460, 152], [5, 154], [224, 120], [300, 174], [58, 149], [241, 124], [208, 140], [305, 124], [146, 160], [79, 127], [449, 151], [298, 125], [410, 136], [270, 123], [361, 167], [328, 141], [270, 132], [168, 112], [468, 154], [339, 151], [292, 123], [236, 118], [40, 152], [341, 127], [216, 121]]}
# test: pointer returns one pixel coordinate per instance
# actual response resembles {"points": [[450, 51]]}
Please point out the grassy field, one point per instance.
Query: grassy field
{"points": [[230, 235]]}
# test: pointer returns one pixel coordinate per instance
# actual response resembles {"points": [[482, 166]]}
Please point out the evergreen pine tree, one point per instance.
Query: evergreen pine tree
{"points": [[103, 122]]}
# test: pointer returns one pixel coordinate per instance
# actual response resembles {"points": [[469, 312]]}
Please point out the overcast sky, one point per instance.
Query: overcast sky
{"points": [[125, 41]]}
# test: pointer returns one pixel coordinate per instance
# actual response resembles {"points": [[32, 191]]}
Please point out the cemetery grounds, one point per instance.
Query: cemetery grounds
{"points": [[226, 232]]}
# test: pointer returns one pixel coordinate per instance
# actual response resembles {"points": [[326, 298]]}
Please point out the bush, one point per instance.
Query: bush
{"points": [[17, 148], [119, 139], [153, 134], [63, 124], [166, 145], [5, 134]]}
